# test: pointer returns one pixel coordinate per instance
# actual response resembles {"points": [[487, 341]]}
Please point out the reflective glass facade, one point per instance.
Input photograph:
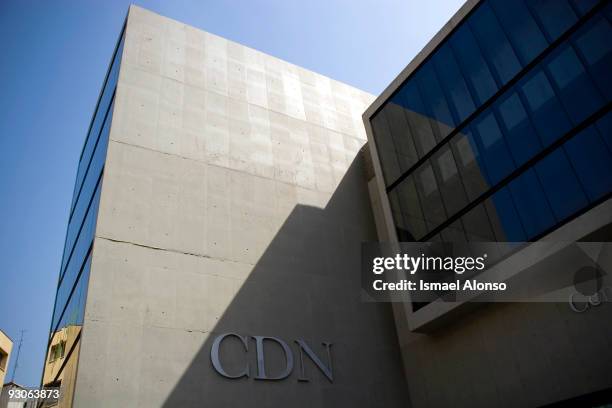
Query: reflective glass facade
{"points": [[74, 272], [504, 132]]}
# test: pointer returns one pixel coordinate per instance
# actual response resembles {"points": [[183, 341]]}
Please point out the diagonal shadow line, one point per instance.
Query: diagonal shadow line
{"points": [[306, 285]]}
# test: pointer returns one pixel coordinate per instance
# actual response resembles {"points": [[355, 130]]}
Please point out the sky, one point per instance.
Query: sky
{"points": [[54, 59]]}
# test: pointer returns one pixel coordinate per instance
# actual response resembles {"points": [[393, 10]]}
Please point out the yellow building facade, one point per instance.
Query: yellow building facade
{"points": [[6, 346]]}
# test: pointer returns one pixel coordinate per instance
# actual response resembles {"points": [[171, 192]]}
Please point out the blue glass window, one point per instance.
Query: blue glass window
{"points": [[604, 125], [560, 185], [584, 6], [417, 117], [520, 134], [75, 309], [594, 46], [441, 119], [85, 238], [100, 114], [576, 90], [454, 84], [65, 289], [531, 203], [555, 16], [492, 147], [88, 187], [549, 117], [525, 36], [505, 221], [474, 66], [494, 44], [592, 161]]}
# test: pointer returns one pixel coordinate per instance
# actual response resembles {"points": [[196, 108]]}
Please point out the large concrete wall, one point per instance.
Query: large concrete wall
{"points": [[233, 201]]}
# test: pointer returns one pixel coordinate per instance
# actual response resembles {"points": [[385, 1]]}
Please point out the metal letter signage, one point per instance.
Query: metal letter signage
{"points": [[261, 364], [216, 361], [261, 374], [325, 370]]}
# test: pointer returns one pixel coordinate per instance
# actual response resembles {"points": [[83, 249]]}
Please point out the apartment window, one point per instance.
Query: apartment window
{"points": [[3, 359], [57, 351]]}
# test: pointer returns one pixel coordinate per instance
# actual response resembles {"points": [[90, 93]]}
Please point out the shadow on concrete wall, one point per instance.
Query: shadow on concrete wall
{"points": [[306, 286]]}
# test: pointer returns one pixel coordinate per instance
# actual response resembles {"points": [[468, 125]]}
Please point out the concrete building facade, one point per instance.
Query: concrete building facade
{"points": [[499, 131], [212, 255], [231, 211]]}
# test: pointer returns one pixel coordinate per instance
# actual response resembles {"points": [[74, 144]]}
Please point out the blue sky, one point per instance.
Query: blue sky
{"points": [[54, 57]]}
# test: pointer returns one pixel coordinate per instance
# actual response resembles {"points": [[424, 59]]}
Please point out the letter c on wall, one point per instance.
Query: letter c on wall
{"points": [[216, 361]]}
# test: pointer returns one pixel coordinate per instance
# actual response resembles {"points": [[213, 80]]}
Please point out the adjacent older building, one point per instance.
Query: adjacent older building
{"points": [[6, 346], [214, 235], [501, 130]]}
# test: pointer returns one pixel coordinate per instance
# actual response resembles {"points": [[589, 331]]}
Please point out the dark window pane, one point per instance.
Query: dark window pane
{"points": [[453, 233], [604, 125], [577, 91], [89, 186], [69, 307], [417, 117], [450, 183], [592, 161], [505, 221], [396, 210], [492, 147], [522, 138], [548, 115], [583, 6], [386, 150], [477, 225], [410, 208], [525, 36], [531, 205], [400, 131], [454, 84], [441, 119], [431, 201], [85, 236], [560, 185], [103, 104], [474, 66], [556, 16], [593, 43], [470, 164], [494, 44]]}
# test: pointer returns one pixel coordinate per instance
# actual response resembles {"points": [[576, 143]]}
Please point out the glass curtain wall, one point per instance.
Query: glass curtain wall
{"points": [[67, 320], [504, 132]]}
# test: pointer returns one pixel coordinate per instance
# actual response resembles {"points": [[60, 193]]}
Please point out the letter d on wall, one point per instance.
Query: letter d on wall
{"points": [[261, 364]]}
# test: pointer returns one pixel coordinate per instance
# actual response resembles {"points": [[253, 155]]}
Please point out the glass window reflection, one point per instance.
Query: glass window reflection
{"points": [[576, 90], [592, 160], [531, 203], [494, 44], [562, 189], [522, 138], [475, 68], [524, 34]]}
